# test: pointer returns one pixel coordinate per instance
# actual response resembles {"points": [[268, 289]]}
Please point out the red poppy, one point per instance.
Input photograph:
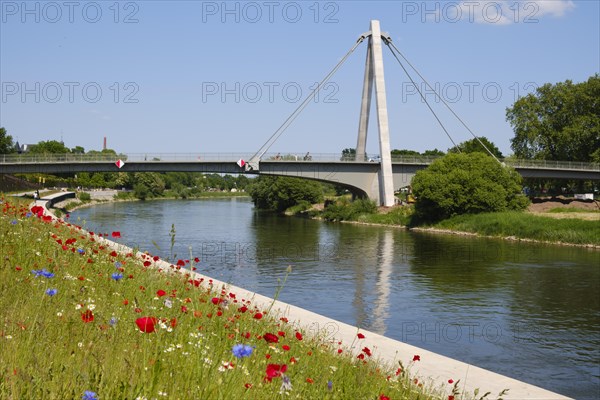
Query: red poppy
{"points": [[281, 333], [247, 385], [146, 324], [298, 336], [217, 300], [383, 397], [417, 358], [116, 234], [308, 380], [243, 309], [270, 338], [258, 315], [180, 263], [87, 316], [360, 336], [361, 356], [161, 293], [275, 370], [367, 351], [450, 381], [285, 347], [196, 260]]}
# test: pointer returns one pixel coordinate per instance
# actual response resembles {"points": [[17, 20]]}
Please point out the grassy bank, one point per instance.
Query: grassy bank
{"points": [[81, 320], [510, 224], [526, 226]]}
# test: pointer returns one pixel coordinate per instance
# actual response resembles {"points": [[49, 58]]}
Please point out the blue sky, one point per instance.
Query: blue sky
{"points": [[212, 76]]}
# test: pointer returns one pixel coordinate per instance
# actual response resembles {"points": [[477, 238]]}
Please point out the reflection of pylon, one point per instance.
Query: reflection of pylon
{"points": [[374, 74]]}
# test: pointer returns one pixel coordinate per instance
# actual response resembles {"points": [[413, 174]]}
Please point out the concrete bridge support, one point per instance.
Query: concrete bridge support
{"points": [[374, 78]]}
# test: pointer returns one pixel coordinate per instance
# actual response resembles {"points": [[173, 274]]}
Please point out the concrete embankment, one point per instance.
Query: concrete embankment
{"points": [[433, 370]]}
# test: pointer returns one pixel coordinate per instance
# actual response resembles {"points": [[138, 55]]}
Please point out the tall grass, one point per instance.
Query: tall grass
{"points": [[71, 327], [526, 226]]}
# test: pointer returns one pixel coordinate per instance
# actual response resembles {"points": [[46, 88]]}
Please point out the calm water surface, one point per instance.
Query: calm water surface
{"points": [[528, 311]]}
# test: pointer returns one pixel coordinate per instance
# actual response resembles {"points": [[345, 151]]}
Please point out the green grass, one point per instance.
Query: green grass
{"points": [[50, 348], [526, 226]]}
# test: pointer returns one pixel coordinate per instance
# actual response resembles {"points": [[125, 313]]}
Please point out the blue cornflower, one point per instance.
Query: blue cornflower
{"points": [[42, 272], [329, 385], [116, 276], [47, 274], [13, 222], [113, 321], [118, 264], [242, 350], [89, 395], [29, 214], [51, 292], [80, 251]]}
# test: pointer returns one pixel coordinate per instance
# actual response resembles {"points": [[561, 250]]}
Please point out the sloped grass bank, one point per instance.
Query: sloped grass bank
{"points": [[526, 226], [81, 320]]}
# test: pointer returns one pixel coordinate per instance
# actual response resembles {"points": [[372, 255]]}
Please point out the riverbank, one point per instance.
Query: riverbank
{"points": [[115, 196], [544, 222], [435, 372]]}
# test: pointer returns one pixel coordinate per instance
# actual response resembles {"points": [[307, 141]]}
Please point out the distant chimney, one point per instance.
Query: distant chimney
{"points": [[104, 147]]}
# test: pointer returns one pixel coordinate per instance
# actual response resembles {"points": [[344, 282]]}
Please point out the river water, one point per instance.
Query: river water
{"points": [[529, 311]]}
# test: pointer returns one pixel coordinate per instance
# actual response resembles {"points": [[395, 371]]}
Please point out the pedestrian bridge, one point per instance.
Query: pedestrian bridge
{"points": [[360, 177]]}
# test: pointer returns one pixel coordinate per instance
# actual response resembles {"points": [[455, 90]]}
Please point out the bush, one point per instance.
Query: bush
{"points": [[84, 196], [466, 184], [346, 210], [280, 193]]}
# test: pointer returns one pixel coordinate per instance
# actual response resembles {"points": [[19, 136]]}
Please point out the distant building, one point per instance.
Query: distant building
{"points": [[22, 148]]}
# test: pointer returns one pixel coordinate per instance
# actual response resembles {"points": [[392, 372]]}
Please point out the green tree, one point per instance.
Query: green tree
{"points": [[433, 153], [558, 122], [6, 142], [348, 154], [466, 184], [50, 146], [78, 150], [151, 183], [404, 152], [474, 145], [280, 193]]}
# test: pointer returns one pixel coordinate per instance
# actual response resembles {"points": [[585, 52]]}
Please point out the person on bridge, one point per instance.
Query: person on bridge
{"points": [[307, 157]]}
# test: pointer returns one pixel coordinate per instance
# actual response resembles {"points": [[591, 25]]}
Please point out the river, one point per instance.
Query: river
{"points": [[529, 311]]}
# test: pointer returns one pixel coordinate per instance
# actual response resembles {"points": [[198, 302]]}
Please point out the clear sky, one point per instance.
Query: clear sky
{"points": [[213, 76]]}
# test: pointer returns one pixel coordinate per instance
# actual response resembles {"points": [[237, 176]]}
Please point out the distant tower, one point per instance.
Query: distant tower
{"points": [[104, 147]]}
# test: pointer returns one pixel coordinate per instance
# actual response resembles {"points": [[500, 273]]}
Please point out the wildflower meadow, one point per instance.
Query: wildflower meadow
{"points": [[81, 320]]}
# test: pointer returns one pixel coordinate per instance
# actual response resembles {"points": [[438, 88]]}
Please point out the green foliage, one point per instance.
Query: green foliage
{"points": [[345, 210], [50, 146], [281, 193], [84, 196], [141, 191], [433, 153], [152, 182], [348, 154], [466, 184], [526, 226], [475, 145], [558, 122], [404, 152], [6, 142]]}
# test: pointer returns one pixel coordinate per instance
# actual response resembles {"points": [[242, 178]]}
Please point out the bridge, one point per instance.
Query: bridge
{"points": [[377, 179], [360, 177]]}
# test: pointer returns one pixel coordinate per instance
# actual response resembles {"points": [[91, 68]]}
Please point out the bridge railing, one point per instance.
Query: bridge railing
{"points": [[546, 164], [286, 156]]}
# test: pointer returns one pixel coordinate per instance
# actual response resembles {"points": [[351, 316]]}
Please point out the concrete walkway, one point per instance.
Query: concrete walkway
{"points": [[433, 370]]}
